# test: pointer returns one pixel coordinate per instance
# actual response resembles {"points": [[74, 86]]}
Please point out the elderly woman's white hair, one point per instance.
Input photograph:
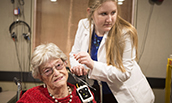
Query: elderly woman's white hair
{"points": [[42, 54]]}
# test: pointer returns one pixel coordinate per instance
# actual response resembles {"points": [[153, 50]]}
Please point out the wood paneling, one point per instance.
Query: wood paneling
{"points": [[57, 22], [126, 10]]}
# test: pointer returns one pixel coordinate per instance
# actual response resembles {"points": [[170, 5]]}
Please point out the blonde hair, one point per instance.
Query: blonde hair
{"points": [[42, 54], [115, 42]]}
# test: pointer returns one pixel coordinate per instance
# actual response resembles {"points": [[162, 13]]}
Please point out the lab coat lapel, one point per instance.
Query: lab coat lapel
{"points": [[85, 41], [102, 49]]}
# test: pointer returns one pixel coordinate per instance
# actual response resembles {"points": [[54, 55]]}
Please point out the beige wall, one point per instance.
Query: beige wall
{"points": [[154, 58], [8, 60], [159, 39]]}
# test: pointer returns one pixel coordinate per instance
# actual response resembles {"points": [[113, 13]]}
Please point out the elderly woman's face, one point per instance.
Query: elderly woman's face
{"points": [[54, 73]]}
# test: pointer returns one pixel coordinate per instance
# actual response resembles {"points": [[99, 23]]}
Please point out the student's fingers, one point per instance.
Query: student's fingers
{"points": [[77, 70]]}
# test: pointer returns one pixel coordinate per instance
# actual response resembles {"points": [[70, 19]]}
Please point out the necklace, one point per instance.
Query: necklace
{"points": [[70, 92], [96, 41]]}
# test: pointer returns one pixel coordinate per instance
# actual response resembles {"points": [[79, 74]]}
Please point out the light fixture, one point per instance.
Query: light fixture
{"points": [[53, 0], [120, 2]]}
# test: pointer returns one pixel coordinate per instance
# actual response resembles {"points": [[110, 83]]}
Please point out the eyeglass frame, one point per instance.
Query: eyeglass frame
{"points": [[52, 69]]}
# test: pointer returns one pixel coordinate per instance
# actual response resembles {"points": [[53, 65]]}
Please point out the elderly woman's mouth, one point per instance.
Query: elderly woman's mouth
{"points": [[59, 78]]}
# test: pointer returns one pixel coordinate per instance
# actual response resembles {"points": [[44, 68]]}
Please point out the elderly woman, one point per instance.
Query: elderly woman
{"points": [[49, 65]]}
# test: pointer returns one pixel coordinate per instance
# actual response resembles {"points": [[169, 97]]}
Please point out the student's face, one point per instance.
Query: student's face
{"points": [[105, 17], [54, 73]]}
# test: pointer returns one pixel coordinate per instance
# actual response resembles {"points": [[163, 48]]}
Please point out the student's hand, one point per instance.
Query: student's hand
{"points": [[79, 70], [84, 58]]}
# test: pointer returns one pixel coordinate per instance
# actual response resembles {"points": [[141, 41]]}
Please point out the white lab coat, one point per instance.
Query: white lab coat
{"points": [[128, 87]]}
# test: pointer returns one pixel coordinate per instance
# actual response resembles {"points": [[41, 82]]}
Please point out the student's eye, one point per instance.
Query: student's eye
{"points": [[103, 14], [113, 12]]}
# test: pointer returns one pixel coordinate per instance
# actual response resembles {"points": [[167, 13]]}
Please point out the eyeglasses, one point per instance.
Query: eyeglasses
{"points": [[50, 70]]}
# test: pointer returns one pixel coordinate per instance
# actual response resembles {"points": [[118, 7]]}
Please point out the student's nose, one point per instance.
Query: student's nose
{"points": [[109, 18]]}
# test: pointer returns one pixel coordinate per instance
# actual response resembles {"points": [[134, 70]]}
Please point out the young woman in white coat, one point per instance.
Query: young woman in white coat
{"points": [[105, 49]]}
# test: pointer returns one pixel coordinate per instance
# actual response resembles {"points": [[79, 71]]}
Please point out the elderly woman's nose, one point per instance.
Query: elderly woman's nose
{"points": [[56, 72]]}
